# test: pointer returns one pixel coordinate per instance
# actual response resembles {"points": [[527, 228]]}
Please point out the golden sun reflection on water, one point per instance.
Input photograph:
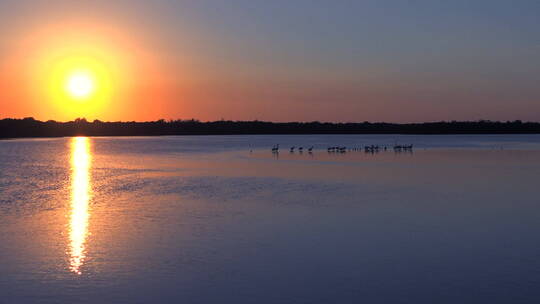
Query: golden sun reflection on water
{"points": [[80, 196]]}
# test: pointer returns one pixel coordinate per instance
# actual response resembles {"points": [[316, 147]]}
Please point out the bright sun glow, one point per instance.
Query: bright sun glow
{"points": [[80, 69], [80, 82], [80, 85]]}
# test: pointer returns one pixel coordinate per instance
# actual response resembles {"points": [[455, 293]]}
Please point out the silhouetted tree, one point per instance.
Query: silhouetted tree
{"points": [[29, 127]]}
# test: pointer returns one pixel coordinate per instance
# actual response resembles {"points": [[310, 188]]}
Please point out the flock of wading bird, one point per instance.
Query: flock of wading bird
{"points": [[343, 149]]}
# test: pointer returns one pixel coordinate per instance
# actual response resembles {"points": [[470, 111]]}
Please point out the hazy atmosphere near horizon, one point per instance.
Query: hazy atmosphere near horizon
{"points": [[269, 152], [395, 61]]}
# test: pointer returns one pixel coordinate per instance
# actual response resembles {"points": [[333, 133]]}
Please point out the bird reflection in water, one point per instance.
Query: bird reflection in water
{"points": [[80, 196]]}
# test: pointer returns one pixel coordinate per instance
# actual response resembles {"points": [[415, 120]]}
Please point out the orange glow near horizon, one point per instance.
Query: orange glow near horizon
{"points": [[80, 197]]}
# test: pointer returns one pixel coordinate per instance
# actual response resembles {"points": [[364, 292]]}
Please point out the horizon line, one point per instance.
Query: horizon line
{"points": [[162, 120]]}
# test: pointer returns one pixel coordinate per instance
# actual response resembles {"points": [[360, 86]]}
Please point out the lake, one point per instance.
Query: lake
{"points": [[222, 219]]}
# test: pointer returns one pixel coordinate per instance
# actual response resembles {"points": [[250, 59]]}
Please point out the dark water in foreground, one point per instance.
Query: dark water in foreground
{"points": [[204, 220]]}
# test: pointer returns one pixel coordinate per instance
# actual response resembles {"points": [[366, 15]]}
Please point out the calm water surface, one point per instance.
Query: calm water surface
{"points": [[220, 219]]}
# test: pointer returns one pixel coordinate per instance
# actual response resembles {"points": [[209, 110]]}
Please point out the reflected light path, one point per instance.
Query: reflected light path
{"points": [[80, 196]]}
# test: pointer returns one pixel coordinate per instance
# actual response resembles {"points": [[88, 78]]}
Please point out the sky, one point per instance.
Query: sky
{"points": [[343, 61]]}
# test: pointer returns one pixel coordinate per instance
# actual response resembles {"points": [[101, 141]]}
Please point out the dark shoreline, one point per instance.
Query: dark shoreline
{"points": [[29, 127]]}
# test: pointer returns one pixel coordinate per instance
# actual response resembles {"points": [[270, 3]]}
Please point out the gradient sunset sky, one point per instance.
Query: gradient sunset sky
{"points": [[396, 61]]}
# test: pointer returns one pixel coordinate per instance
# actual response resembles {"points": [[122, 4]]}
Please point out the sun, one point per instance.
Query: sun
{"points": [[80, 85]]}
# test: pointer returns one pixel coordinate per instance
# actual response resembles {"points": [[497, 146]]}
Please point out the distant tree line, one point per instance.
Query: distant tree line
{"points": [[29, 127]]}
